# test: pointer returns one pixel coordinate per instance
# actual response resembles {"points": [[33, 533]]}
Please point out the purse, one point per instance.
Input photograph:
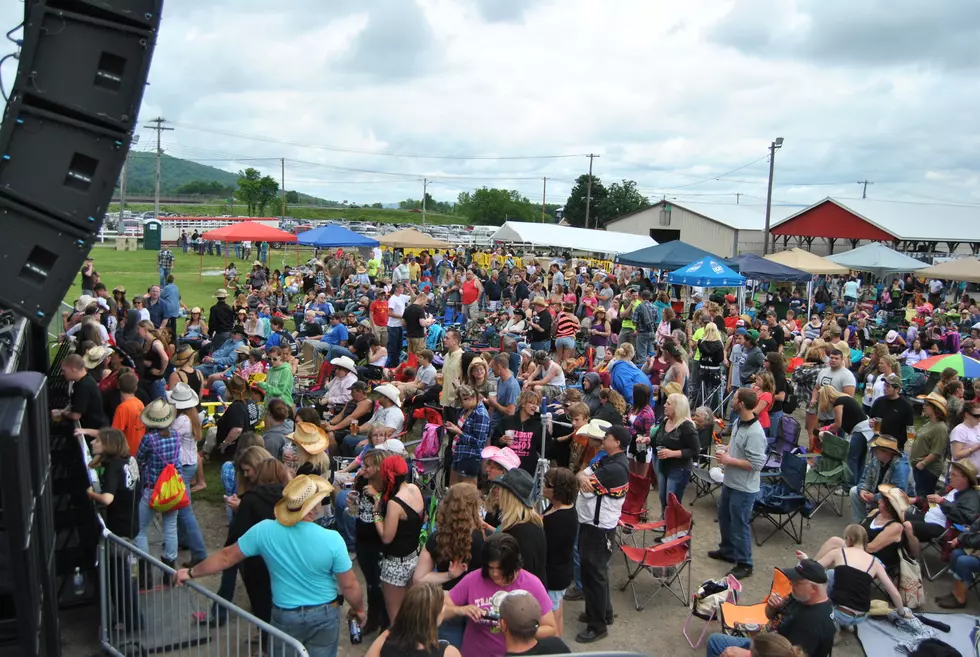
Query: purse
{"points": [[910, 581]]}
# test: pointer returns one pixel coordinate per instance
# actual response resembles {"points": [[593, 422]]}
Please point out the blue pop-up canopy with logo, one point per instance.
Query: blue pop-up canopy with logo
{"points": [[706, 272]]}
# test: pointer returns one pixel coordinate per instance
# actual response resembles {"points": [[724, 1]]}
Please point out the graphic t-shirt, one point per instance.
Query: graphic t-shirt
{"points": [[484, 638]]}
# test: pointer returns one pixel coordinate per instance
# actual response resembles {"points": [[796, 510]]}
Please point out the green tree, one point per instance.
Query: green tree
{"points": [[621, 198], [575, 205], [494, 206], [378, 205], [256, 191], [205, 187], [292, 197]]}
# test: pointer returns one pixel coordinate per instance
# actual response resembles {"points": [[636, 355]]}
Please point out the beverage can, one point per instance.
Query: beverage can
{"points": [[354, 626]]}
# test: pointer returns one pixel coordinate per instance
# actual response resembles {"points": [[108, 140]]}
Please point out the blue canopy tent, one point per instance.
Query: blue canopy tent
{"points": [[327, 236], [759, 269], [669, 255], [706, 272]]}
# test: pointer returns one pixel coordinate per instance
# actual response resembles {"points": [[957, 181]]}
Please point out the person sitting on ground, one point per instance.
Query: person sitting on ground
{"points": [[806, 619], [425, 377], [520, 618], [851, 570]]}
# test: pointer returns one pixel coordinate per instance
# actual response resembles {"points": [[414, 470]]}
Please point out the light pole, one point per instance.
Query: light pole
{"points": [[772, 161]]}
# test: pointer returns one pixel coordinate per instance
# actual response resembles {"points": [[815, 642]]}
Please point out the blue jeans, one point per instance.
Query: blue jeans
{"points": [[856, 455], [964, 566], [718, 642], [577, 564], [394, 346], [346, 523], [163, 275], [349, 446], [775, 421], [157, 389], [543, 345], [452, 630], [675, 481], [146, 515], [220, 388], [336, 351], [644, 346], [188, 533], [317, 628], [734, 514]]}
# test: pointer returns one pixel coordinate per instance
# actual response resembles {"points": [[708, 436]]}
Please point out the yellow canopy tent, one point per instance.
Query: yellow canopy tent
{"points": [[808, 262], [412, 239], [961, 269]]}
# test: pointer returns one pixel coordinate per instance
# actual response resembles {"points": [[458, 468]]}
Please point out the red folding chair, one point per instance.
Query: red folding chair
{"points": [[667, 562]]}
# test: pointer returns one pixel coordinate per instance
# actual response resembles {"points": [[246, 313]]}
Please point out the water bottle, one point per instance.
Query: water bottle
{"points": [[78, 583], [354, 626]]}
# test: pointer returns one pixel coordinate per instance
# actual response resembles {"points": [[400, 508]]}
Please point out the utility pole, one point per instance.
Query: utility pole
{"points": [[544, 196], [282, 188], [122, 188], [772, 163], [588, 194], [738, 197], [425, 187], [864, 194], [157, 124]]}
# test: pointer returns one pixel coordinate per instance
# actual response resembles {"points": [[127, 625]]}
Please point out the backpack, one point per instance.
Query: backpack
{"points": [[791, 401], [429, 446], [169, 492]]}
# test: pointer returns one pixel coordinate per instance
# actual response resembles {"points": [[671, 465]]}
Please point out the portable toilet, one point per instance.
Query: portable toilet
{"points": [[152, 231]]}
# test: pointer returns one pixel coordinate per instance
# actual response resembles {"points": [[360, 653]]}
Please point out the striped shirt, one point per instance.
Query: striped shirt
{"points": [[567, 325]]}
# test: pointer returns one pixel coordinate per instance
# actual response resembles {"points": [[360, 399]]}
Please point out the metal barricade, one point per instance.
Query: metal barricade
{"points": [[174, 619]]}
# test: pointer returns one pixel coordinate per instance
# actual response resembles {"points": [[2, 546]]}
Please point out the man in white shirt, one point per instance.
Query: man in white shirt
{"points": [[935, 292], [396, 310]]}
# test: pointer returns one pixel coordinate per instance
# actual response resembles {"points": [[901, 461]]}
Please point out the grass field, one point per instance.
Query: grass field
{"points": [[389, 216]]}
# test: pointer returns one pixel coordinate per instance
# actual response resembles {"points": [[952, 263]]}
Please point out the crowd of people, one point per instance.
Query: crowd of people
{"points": [[537, 384]]}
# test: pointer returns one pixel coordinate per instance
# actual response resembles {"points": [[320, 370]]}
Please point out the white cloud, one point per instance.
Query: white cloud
{"points": [[669, 94]]}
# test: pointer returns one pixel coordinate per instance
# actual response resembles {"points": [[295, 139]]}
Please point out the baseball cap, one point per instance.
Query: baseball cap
{"points": [[806, 569], [621, 434], [894, 380], [741, 331]]}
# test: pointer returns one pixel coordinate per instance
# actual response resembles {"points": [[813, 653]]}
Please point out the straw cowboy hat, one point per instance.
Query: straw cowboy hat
{"points": [[158, 414], [345, 362], [967, 469], [83, 302], [897, 498], [886, 442], [94, 357], [539, 301], [184, 355], [243, 349], [935, 399], [309, 437], [299, 497], [119, 288], [595, 429], [673, 388], [222, 293], [361, 269], [389, 391], [183, 396]]}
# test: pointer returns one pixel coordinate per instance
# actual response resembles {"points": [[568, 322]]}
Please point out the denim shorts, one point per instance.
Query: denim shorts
{"points": [[845, 618], [467, 467], [556, 598], [564, 343]]}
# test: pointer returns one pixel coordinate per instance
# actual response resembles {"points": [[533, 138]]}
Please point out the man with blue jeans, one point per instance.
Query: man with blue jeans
{"points": [[806, 619], [309, 569], [743, 461]]}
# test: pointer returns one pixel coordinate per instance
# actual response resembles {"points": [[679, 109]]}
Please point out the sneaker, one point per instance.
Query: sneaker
{"points": [[718, 555], [574, 593], [741, 571], [590, 636]]}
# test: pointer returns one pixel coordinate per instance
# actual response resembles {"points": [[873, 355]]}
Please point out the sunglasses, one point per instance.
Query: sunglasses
{"points": [[977, 415]]}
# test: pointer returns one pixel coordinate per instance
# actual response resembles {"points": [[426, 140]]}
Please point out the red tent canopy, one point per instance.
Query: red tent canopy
{"points": [[250, 231]]}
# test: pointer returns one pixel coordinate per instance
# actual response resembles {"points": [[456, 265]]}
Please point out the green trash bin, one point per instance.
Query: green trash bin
{"points": [[152, 231]]}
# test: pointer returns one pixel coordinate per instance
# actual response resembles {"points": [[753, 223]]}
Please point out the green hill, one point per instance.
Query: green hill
{"points": [[174, 172]]}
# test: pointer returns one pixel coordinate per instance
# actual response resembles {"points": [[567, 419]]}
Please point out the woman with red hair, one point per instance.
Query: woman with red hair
{"points": [[398, 519]]}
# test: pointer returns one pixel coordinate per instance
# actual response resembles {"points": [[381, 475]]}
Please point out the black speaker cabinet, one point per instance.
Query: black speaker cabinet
{"points": [[139, 13], [83, 64]]}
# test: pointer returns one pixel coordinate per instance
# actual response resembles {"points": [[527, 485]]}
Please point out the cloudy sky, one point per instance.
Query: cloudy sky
{"points": [[684, 98]]}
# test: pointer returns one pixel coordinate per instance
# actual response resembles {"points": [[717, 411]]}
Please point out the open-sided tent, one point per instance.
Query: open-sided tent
{"points": [[961, 269], [410, 238], [759, 269], [335, 236], [250, 231], [877, 259], [669, 255], [706, 272], [568, 237], [808, 262]]}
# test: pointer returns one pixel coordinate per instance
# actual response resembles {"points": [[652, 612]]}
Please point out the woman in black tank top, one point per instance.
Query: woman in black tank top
{"points": [[155, 360], [398, 519], [415, 632], [184, 372]]}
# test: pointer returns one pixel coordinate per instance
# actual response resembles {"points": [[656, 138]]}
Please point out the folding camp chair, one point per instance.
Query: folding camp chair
{"points": [[783, 502], [706, 603], [827, 473], [940, 547], [739, 620], [704, 484], [665, 562], [786, 440]]}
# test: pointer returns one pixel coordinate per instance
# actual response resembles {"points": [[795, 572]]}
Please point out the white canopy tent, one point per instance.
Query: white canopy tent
{"points": [[567, 237], [877, 259]]}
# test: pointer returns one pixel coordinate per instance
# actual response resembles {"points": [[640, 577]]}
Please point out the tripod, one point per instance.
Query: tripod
{"points": [[712, 388]]}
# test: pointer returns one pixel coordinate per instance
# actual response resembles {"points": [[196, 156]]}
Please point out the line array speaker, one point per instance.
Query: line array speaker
{"points": [[66, 131]]}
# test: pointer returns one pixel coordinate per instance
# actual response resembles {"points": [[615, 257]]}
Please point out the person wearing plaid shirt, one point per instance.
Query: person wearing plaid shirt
{"points": [[470, 436], [165, 263], [160, 447]]}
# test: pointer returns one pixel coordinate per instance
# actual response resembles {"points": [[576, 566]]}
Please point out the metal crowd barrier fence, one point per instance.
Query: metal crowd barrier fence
{"points": [[163, 618]]}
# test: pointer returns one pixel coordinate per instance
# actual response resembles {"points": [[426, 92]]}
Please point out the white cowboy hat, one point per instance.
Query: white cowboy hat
{"points": [[309, 437], [393, 445], [83, 302], [94, 357], [183, 396], [344, 362], [389, 391], [299, 497], [595, 429]]}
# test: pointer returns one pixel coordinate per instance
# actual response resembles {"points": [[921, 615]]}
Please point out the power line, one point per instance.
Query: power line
{"points": [[721, 175]]}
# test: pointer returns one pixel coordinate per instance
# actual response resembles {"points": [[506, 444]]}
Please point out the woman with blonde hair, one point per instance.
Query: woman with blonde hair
{"points": [[677, 446], [519, 519], [454, 549], [612, 407], [770, 644], [155, 360], [415, 631]]}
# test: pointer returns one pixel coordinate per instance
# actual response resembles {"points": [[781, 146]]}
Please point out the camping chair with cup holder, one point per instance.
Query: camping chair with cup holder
{"points": [[705, 485], [781, 501], [939, 546], [706, 603], [827, 473], [745, 620], [633, 516], [787, 440], [667, 562]]}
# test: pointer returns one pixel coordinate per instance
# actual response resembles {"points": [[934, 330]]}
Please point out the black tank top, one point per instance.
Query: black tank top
{"points": [[194, 380], [888, 555], [389, 650], [407, 535], [156, 363], [852, 587]]}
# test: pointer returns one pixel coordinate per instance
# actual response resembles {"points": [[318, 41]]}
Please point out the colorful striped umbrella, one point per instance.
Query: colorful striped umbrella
{"points": [[964, 365]]}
